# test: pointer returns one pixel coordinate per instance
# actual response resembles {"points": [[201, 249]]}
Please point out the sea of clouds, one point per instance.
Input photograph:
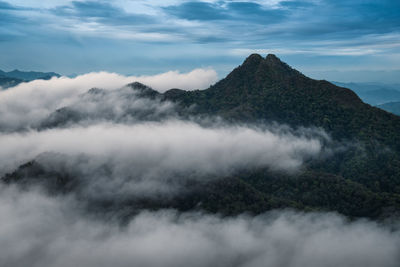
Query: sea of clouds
{"points": [[122, 144]]}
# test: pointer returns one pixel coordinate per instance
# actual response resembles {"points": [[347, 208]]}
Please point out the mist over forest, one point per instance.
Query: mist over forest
{"points": [[82, 156]]}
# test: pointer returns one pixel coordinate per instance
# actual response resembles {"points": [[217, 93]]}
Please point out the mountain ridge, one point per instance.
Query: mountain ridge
{"points": [[15, 77]]}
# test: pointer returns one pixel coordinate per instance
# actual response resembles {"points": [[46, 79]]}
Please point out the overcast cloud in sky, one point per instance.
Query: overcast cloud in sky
{"points": [[147, 37]]}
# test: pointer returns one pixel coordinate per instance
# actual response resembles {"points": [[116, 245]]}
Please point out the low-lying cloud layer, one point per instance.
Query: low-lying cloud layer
{"points": [[124, 140], [39, 231], [144, 156], [119, 144], [28, 103]]}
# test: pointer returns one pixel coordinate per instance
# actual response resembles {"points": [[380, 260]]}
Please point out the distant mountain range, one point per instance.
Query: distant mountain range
{"points": [[12, 78], [6, 82], [374, 93], [361, 178], [393, 107]]}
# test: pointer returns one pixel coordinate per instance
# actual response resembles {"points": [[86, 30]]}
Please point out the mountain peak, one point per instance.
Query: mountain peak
{"points": [[138, 85], [275, 64], [262, 87], [143, 90], [259, 72], [253, 59], [257, 58], [275, 61], [272, 57]]}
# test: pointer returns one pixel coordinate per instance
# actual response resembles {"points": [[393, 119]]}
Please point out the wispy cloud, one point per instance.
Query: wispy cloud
{"points": [[316, 17]]}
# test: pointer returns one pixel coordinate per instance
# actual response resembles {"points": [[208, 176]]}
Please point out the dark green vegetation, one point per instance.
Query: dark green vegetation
{"points": [[12, 78], [393, 107], [360, 180]]}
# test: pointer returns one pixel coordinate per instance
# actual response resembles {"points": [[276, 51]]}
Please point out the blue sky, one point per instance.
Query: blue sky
{"points": [[357, 40]]}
